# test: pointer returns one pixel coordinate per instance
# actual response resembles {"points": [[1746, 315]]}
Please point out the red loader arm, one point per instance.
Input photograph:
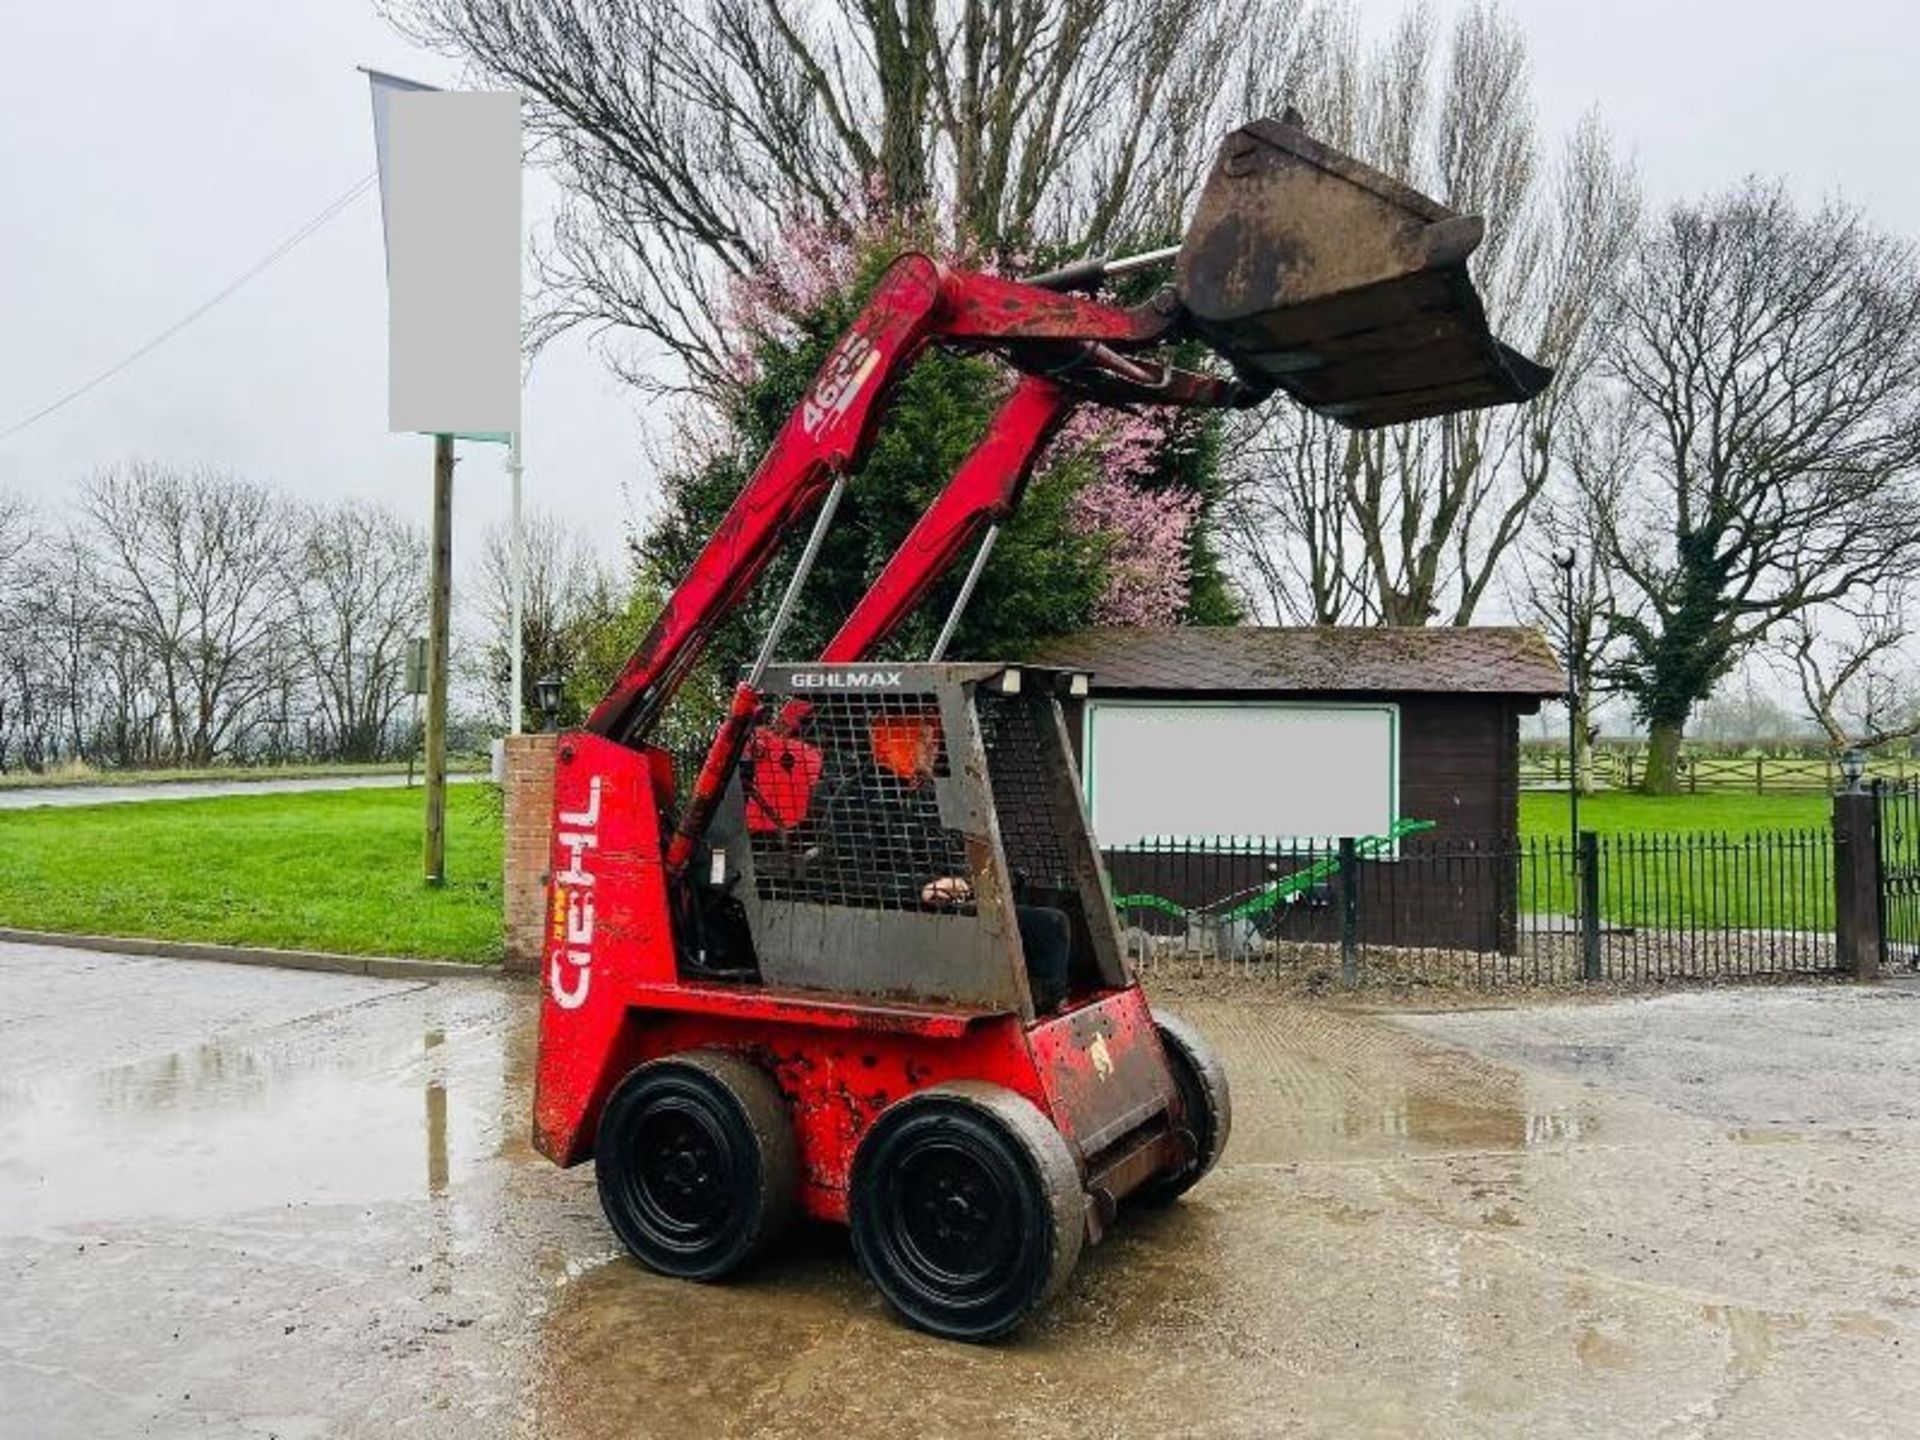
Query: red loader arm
{"points": [[916, 301], [983, 491], [825, 435]]}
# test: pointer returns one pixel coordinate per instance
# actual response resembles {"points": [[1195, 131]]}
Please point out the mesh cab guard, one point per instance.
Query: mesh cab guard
{"points": [[882, 828]]}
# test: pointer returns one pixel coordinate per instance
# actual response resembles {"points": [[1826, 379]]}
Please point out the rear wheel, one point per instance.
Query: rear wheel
{"points": [[696, 1164], [1202, 1082], [966, 1209]]}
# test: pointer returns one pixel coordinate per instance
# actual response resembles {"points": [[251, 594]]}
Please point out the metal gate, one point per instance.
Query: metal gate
{"points": [[1898, 828]]}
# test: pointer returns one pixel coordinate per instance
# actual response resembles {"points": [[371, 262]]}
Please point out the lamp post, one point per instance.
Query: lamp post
{"points": [[546, 691], [1564, 558], [1853, 768]]}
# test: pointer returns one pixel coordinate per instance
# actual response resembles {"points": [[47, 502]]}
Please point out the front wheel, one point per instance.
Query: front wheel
{"points": [[1206, 1101], [696, 1163], [966, 1209]]}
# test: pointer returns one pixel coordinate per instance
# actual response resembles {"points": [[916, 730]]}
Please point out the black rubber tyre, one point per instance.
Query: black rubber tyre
{"points": [[1202, 1082], [966, 1209], [696, 1163]]}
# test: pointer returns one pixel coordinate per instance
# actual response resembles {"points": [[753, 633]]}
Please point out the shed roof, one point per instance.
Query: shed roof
{"points": [[1244, 659]]}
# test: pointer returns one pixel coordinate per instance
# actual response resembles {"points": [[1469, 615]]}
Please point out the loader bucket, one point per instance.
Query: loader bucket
{"points": [[1317, 274]]}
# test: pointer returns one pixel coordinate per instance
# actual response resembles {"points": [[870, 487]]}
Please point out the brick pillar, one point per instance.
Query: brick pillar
{"points": [[1856, 878], [529, 820]]}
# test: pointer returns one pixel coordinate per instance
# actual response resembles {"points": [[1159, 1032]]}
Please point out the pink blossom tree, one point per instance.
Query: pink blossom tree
{"points": [[1147, 532], [1143, 531]]}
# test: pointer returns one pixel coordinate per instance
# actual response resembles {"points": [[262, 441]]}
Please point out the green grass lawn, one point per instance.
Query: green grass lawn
{"points": [[1664, 863], [330, 870], [1545, 813]]}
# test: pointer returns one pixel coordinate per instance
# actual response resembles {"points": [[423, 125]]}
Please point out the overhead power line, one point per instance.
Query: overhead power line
{"points": [[265, 262]]}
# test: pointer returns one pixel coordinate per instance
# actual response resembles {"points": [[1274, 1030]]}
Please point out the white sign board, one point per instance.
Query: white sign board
{"points": [[1258, 772], [451, 191]]}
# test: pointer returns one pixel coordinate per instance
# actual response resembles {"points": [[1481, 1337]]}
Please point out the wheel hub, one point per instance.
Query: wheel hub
{"points": [[683, 1170], [952, 1213]]}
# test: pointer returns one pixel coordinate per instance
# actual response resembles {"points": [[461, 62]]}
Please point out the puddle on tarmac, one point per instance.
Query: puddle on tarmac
{"points": [[1369, 1100], [1444, 1122], [1312, 1084], [391, 1098]]}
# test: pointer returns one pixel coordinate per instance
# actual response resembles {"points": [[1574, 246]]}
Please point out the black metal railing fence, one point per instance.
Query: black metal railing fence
{"points": [[1897, 833], [1533, 909]]}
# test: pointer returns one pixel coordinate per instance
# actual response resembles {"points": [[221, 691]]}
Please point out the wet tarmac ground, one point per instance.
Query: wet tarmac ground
{"points": [[237, 1201]]}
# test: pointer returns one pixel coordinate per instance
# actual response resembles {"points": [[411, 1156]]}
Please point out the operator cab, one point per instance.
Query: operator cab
{"points": [[909, 832]]}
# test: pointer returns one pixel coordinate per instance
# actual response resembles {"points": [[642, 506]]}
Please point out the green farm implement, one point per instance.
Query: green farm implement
{"points": [[1234, 920]]}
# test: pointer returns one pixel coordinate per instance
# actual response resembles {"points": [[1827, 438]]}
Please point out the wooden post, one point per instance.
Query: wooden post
{"points": [[1856, 882], [439, 620]]}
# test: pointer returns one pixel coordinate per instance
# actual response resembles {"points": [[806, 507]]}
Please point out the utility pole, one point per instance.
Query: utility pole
{"points": [[439, 623]]}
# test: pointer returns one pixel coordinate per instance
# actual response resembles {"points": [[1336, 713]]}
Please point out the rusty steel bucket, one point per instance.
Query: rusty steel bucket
{"points": [[1315, 273]]}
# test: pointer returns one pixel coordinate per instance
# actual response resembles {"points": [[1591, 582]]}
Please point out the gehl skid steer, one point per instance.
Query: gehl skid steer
{"points": [[868, 969]]}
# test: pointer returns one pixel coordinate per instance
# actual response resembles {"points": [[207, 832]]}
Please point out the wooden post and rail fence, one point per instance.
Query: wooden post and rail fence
{"points": [[1625, 769]]}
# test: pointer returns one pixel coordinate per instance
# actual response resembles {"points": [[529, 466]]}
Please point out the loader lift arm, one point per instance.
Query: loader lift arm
{"points": [[1064, 344], [916, 303]]}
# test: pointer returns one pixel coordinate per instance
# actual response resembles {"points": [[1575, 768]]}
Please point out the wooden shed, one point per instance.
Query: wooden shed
{"points": [[1275, 740]]}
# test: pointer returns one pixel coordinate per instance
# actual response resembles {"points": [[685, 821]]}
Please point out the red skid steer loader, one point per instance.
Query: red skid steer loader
{"points": [[868, 967]]}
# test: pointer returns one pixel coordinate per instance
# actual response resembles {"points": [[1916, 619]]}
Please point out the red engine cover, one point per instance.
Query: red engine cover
{"points": [[609, 930]]}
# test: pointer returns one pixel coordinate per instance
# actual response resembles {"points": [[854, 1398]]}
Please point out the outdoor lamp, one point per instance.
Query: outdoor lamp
{"points": [[1853, 765], [546, 691]]}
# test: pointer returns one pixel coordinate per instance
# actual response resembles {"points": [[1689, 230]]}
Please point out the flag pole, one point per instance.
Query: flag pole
{"points": [[518, 581], [440, 609]]}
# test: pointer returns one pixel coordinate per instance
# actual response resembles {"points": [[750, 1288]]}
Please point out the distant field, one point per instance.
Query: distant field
{"points": [[1545, 813], [332, 870]]}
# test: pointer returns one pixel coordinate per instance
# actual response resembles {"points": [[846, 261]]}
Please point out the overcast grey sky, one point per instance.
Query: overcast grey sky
{"points": [[152, 151]]}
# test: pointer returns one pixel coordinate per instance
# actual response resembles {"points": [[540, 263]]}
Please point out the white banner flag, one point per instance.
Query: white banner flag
{"points": [[384, 87], [450, 200]]}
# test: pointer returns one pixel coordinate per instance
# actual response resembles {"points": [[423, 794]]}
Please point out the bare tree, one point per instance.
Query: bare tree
{"points": [[71, 640], [18, 685], [687, 134], [73, 687], [566, 586], [1773, 359], [1598, 449], [1855, 670], [362, 588], [194, 577], [1413, 523], [16, 534], [1283, 523], [1747, 708]]}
